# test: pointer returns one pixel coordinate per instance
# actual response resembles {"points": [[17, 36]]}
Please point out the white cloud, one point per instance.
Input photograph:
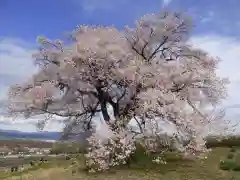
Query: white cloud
{"points": [[50, 127], [15, 62], [166, 2], [16, 58], [29, 125], [228, 49]]}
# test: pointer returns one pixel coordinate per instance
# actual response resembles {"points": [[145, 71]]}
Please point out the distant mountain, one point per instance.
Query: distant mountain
{"points": [[12, 134]]}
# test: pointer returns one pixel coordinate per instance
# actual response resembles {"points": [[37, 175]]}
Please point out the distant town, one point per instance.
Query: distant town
{"points": [[6, 151]]}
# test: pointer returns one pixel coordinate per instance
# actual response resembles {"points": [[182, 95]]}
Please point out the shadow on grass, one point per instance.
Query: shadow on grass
{"points": [[142, 161]]}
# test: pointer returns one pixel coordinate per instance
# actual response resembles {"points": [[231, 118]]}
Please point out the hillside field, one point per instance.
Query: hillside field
{"points": [[207, 169], [223, 163]]}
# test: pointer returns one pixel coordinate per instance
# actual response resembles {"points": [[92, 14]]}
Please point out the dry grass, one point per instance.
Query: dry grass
{"points": [[42, 174], [202, 170]]}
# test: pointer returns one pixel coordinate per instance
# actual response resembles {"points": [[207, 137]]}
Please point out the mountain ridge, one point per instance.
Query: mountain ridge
{"points": [[15, 134]]}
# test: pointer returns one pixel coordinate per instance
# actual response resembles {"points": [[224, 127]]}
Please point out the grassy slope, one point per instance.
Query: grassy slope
{"points": [[202, 170]]}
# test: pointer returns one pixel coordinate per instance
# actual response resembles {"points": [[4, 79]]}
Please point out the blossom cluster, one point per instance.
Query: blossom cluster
{"points": [[110, 152]]}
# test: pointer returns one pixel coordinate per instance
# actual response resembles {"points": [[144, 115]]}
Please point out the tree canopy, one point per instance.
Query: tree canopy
{"points": [[148, 73]]}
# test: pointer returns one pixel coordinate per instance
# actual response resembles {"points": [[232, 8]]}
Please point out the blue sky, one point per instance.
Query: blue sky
{"points": [[217, 31], [29, 18]]}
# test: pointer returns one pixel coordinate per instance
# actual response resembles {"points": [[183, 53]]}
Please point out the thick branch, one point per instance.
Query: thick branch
{"points": [[103, 102]]}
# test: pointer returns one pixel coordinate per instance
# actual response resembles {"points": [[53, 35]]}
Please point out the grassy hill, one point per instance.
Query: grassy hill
{"points": [[223, 163], [207, 169]]}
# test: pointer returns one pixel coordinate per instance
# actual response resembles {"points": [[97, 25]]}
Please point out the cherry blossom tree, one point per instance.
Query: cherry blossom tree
{"points": [[148, 74]]}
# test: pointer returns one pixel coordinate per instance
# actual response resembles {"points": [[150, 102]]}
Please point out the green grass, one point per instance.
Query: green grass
{"points": [[176, 169], [232, 160], [223, 163], [37, 166]]}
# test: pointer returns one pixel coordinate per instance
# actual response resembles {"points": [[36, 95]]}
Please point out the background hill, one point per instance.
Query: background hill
{"points": [[12, 134]]}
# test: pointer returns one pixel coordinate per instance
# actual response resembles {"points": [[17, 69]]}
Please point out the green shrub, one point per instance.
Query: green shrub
{"points": [[230, 141], [236, 167], [227, 165], [233, 149], [143, 159], [230, 156], [32, 163]]}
